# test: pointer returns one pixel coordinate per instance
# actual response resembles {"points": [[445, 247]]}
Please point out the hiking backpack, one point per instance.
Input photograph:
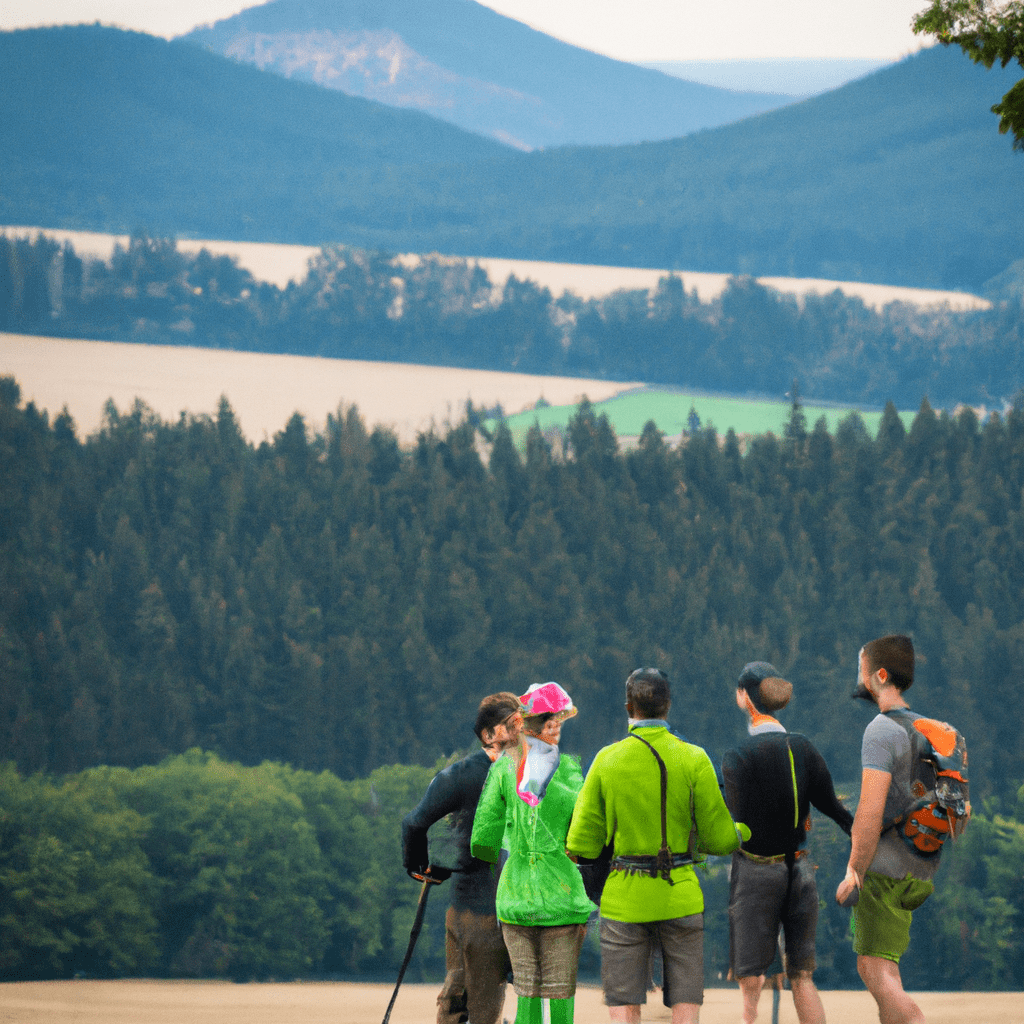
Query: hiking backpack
{"points": [[939, 784]]}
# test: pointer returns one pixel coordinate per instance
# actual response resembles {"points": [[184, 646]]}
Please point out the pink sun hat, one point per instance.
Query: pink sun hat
{"points": [[547, 698]]}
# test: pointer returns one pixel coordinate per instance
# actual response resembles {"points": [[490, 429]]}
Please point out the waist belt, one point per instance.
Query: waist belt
{"points": [[778, 858], [648, 865]]}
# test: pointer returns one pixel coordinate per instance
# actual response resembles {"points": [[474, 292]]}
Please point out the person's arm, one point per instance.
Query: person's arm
{"points": [[822, 793], [445, 794], [489, 820], [717, 833], [588, 832], [729, 781], [867, 828]]}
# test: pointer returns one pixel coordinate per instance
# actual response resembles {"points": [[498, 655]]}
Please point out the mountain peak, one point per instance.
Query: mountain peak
{"points": [[464, 63]]}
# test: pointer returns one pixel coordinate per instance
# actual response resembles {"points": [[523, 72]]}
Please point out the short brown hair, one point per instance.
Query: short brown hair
{"points": [[894, 653], [493, 710], [775, 693], [648, 690]]}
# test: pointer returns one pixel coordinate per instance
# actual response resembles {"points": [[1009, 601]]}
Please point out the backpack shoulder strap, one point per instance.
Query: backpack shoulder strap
{"points": [[919, 743], [905, 716], [664, 790], [664, 857]]}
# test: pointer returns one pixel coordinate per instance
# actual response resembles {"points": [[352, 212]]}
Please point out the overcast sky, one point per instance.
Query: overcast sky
{"points": [[634, 30]]}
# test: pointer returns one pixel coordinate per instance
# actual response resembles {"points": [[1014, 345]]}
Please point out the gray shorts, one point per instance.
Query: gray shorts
{"points": [[626, 951], [759, 905]]}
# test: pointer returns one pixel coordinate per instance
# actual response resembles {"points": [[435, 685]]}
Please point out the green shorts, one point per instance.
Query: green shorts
{"points": [[881, 918]]}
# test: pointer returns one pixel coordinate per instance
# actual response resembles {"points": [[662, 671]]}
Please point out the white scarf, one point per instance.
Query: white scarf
{"points": [[534, 771]]}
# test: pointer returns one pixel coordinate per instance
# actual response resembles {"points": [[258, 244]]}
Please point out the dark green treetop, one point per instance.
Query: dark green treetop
{"points": [[987, 32]]}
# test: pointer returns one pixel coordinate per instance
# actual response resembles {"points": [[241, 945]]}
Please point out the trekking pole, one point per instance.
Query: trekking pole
{"points": [[432, 876]]}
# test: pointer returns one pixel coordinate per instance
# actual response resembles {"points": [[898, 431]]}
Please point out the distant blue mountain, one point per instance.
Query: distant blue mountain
{"points": [[797, 77], [466, 64]]}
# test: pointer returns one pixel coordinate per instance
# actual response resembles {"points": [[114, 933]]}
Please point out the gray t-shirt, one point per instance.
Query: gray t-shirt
{"points": [[886, 747]]}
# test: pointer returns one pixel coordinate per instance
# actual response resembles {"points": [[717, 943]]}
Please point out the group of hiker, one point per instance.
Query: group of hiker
{"points": [[539, 845]]}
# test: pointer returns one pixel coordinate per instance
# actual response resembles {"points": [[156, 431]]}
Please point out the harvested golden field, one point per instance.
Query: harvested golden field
{"points": [[264, 390]]}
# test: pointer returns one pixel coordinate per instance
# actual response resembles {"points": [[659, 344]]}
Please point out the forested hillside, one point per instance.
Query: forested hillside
{"points": [[335, 602], [360, 304], [103, 126], [898, 178]]}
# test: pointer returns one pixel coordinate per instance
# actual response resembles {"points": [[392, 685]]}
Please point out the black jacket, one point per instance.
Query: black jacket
{"points": [[759, 791], [453, 791]]}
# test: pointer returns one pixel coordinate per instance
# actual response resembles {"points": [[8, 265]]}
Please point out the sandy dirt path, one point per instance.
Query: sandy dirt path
{"points": [[162, 1002]]}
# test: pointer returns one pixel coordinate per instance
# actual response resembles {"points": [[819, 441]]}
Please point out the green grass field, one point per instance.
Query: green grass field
{"points": [[629, 412]]}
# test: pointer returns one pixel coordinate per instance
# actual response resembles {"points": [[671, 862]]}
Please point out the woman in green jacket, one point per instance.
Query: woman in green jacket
{"points": [[527, 804]]}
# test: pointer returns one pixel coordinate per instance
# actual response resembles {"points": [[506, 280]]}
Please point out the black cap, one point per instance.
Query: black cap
{"points": [[774, 696]]}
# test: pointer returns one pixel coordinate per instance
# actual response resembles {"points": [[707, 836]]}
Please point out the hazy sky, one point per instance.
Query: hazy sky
{"points": [[636, 30]]}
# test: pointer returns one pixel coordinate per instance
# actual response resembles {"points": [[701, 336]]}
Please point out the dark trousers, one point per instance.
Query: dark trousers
{"points": [[477, 964]]}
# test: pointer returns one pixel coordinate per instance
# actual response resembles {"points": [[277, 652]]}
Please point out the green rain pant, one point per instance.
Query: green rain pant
{"points": [[532, 1010]]}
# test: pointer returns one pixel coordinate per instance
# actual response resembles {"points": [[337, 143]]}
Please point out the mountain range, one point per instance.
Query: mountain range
{"points": [[800, 77], [899, 177], [464, 63]]}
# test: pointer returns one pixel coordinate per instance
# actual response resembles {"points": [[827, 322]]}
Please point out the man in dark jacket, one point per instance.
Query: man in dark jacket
{"points": [[771, 781], [475, 955]]}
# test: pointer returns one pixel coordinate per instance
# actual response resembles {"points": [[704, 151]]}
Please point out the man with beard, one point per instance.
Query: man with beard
{"points": [[886, 876], [475, 956]]}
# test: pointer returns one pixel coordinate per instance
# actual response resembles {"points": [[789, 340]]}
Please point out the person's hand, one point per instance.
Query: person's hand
{"points": [[415, 853], [848, 890], [414, 861], [432, 873]]}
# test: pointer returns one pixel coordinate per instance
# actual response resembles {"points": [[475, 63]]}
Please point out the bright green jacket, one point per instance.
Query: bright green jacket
{"points": [[621, 802], [539, 885]]}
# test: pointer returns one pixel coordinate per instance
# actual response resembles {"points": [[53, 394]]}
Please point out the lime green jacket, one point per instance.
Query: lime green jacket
{"points": [[621, 802], [539, 885]]}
